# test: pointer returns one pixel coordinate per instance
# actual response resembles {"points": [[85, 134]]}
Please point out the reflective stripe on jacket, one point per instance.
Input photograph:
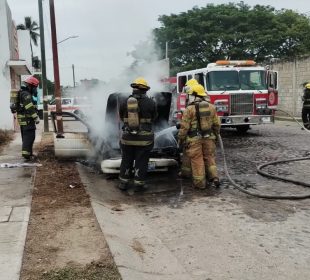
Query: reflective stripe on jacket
{"points": [[27, 112]]}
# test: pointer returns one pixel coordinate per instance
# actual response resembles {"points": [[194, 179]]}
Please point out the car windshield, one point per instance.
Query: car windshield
{"points": [[235, 80], [66, 101]]}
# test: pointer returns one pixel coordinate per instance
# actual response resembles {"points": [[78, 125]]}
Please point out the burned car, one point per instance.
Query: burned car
{"points": [[164, 153]]}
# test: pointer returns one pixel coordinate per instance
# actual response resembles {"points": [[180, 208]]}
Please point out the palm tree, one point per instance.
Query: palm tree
{"points": [[32, 27]]}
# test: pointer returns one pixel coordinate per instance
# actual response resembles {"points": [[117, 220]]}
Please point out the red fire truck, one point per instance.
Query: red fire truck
{"points": [[243, 92]]}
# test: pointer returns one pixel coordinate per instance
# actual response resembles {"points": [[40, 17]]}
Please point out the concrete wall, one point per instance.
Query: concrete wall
{"points": [[292, 75], [6, 120]]}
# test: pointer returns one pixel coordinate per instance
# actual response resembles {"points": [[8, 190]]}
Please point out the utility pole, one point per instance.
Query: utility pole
{"points": [[73, 75], [43, 66], [60, 129]]}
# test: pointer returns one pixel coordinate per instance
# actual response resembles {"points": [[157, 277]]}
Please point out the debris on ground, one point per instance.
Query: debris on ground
{"points": [[5, 137], [64, 240], [13, 165]]}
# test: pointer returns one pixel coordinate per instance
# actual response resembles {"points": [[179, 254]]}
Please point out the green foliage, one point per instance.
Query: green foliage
{"points": [[32, 27], [93, 271], [232, 31]]}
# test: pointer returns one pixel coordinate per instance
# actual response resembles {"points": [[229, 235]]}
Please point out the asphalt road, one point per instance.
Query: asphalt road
{"points": [[214, 234]]}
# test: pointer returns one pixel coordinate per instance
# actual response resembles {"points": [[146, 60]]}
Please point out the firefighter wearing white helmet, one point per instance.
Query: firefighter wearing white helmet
{"points": [[137, 114], [200, 127], [24, 105], [305, 113]]}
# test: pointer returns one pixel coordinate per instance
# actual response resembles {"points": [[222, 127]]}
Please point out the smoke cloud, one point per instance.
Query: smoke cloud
{"points": [[146, 64]]}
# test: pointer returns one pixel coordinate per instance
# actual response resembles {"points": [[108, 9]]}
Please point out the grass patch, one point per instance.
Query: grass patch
{"points": [[93, 271]]}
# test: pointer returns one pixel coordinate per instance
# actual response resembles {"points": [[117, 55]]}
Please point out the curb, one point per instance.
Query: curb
{"points": [[283, 118]]}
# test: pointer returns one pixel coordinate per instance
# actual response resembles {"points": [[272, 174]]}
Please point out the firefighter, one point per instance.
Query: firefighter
{"points": [[199, 130], [27, 116], [186, 170], [137, 114], [305, 113]]}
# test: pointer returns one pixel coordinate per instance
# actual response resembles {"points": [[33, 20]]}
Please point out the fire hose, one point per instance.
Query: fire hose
{"points": [[259, 171]]}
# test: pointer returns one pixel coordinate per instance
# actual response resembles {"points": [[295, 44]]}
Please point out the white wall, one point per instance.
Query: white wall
{"points": [[6, 120]]}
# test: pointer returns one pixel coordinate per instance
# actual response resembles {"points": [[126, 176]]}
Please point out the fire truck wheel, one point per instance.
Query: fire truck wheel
{"points": [[242, 128]]}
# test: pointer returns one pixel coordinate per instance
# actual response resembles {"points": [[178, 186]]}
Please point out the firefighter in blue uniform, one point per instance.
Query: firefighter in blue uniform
{"points": [[137, 114], [27, 116]]}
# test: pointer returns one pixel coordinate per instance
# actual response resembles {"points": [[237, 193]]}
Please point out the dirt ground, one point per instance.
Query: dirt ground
{"points": [[5, 137], [64, 240]]}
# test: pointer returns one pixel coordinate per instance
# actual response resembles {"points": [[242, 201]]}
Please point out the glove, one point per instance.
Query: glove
{"points": [[178, 125], [37, 120]]}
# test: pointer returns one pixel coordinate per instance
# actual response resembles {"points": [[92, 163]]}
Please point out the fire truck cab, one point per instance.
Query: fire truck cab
{"points": [[243, 92]]}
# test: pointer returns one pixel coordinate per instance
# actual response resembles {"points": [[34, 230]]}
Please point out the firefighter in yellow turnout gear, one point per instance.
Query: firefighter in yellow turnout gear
{"points": [[186, 170], [200, 127]]}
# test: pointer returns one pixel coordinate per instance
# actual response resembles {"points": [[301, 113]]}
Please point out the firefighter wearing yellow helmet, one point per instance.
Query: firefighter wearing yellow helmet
{"points": [[305, 113], [189, 84], [200, 127], [186, 170], [137, 114]]}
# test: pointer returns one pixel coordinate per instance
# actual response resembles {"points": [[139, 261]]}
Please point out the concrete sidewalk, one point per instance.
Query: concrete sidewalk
{"points": [[15, 202]]}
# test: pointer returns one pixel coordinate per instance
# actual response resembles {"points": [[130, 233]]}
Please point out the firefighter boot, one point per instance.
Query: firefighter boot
{"points": [[123, 186], [216, 182]]}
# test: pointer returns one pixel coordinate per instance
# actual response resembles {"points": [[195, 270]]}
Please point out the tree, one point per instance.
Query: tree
{"points": [[232, 31], [32, 27]]}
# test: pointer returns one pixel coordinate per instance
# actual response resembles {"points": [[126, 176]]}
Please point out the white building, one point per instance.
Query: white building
{"points": [[14, 62]]}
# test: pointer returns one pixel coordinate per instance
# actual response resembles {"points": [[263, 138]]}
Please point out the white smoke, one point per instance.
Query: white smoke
{"points": [[147, 64]]}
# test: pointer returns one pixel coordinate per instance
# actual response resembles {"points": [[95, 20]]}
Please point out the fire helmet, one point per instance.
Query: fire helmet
{"points": [[307, 86], [140, 83], [32, 81], [189, 84], [198, 90]]}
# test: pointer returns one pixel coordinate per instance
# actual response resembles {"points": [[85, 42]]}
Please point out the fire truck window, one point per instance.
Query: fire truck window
{"points": [[252, 80], [181, 82], [223, 80], [276, 80], [189, 77], [199, 78]]}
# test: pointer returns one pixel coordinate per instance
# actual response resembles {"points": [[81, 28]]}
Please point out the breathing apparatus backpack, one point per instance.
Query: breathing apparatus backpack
{"points": [[203, 113], [15, 104], [133, 115]]}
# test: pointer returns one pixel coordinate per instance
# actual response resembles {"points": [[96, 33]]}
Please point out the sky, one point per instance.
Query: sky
{"points": [[108, 30]]}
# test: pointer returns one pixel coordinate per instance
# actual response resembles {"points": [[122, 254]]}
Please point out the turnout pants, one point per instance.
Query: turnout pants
{"points": [[305, 114], [186, 169], [134, 163], [202, 156], [28, 133]]}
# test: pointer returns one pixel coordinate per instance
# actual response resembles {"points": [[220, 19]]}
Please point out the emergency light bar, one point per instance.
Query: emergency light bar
{"points": [[236, 62]]}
